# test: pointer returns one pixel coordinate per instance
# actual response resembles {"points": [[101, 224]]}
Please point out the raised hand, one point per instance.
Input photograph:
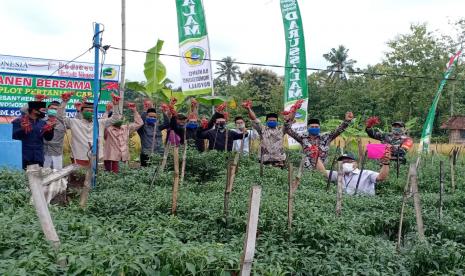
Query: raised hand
{"points": [[349, 116], [220, 108], [148, 104], [132, 107], [108, 107], [67, 96], [247, 104], [372, 121], [115, 98], [40, 97]]}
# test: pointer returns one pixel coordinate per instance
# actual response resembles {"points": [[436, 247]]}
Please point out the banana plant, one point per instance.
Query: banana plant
{"points": [[155, 73]]}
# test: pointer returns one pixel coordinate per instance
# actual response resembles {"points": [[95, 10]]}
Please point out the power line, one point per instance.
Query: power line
{"points": [[373, 74]]}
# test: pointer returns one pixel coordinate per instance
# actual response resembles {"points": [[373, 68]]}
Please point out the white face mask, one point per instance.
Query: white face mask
{"points": [[347, 167]]}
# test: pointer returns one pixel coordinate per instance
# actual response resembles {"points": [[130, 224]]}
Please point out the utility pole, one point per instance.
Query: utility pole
{"points": [[96, 91], [123, 52]]}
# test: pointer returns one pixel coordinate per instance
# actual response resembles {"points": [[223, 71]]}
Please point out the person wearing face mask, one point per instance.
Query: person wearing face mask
{"points": [[397, 138], [271, 138], [314, 144], [82, 128], [219, 137], [116, 137], [53, 149], [243, 144], [368, 179], [32, 130], [150, 133]]}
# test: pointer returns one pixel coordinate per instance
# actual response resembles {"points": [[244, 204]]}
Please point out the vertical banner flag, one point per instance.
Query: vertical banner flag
{"points": [[295, 78], [196, 72], [428, 126]]}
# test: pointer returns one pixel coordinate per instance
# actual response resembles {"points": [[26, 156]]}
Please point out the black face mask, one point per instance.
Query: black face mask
{"points": [[41, 114]]}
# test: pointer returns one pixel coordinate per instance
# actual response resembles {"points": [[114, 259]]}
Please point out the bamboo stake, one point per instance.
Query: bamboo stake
{"points": [[441, 188], [251, 234], [402, 209], [417, 204], [175, 180], [41, 207], [293, 185], [184, 155], [340, 176]]}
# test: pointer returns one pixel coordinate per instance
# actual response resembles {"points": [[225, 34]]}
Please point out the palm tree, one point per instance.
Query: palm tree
{"points": [[340, 62], [227, 69]]}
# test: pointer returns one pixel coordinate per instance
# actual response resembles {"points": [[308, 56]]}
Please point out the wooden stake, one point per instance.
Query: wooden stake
{"points": [[184, 156], [293, 185], [261, 159], [416, 202], [165, 156], [35, 184], [86, 188], [251, 234], [227, 192], [360, 151], [340, 177], [402, 209], [441, 187], [175, 180]]}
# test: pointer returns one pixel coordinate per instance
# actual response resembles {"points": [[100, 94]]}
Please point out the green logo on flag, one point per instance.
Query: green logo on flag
{"points": [[194, 56]]}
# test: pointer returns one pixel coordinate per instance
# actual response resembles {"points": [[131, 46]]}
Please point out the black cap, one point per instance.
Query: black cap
{"points": [[347, 155], [151, 110], [271, 115], [398, 123], [36, 105], [313, 121]]}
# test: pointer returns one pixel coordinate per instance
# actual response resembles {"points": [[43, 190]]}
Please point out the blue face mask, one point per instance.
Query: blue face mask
{"points": [[192, 125], [313, 131], [272, 124], [151, 121]]}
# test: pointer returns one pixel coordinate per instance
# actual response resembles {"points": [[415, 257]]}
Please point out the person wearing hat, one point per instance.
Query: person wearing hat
{"points": [[314, 144], [53, 149], [397, 138], [367, 179], [116, 147], [82, 129], [271, 137], [32, 130], [218, 136]]}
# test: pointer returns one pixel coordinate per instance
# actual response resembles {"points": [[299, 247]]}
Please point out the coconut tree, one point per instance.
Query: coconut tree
{"points": [[227, 69], [340, 62]]}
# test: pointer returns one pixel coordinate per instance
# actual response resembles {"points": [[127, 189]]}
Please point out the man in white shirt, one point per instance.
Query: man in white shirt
{"points": [[246, 142], [368, 178], [82, 129]]}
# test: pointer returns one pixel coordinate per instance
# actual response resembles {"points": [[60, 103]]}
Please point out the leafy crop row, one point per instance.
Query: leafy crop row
{"points": [[127, 228]]}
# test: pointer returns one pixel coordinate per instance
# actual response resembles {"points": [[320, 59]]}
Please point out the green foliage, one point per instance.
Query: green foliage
{"points": [[127, 228]]}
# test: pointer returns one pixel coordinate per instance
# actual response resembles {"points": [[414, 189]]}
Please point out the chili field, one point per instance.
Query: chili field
{"points": [[127, 227]]}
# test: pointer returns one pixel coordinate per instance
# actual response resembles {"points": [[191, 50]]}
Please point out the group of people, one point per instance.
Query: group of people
{"points": [[42, 130]]}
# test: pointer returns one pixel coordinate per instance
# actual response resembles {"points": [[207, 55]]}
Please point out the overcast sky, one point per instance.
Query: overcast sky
{"points": [[247, 30]]}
